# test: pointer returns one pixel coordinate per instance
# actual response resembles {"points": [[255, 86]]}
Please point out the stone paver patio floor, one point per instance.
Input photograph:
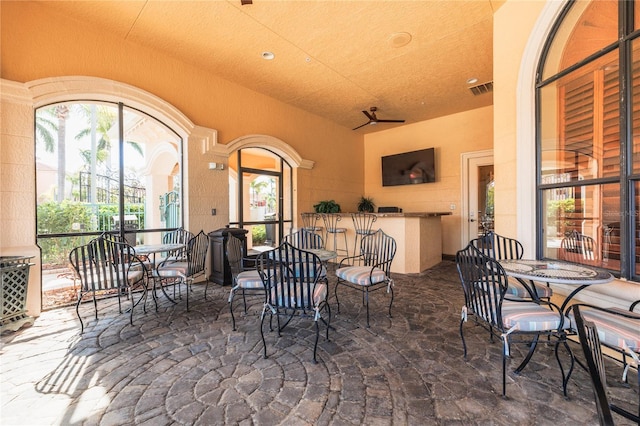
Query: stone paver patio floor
{"points": [[178, 367]]}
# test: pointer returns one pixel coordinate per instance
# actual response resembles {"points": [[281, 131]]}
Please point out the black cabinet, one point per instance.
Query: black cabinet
{"points": [[218, 265]]}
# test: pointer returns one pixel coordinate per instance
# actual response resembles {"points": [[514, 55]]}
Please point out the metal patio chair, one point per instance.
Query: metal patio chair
{"points": [[294, 287], [485, 283], [179, 271], [590, 343], [244, 279], [106, 266], [370, 270], [362, 224], [500, 248], [304, 239]]}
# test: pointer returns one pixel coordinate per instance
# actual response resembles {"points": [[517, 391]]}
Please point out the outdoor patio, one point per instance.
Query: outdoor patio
{"points": [[179, 367]]}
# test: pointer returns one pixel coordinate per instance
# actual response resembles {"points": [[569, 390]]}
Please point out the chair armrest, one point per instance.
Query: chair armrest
{"points": [[350, 260]]}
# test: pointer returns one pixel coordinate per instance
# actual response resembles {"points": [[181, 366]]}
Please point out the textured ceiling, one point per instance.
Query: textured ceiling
{"points": [[332, 58]]}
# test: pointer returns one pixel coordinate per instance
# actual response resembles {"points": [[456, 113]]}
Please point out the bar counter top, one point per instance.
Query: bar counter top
{"points": [[412, 214]]}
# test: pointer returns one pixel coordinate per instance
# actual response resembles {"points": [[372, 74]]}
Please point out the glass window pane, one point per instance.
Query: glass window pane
{"points": [[589, 214], [635, 97], [152, 178], [636, 229], [580, 129], [588, 27]]}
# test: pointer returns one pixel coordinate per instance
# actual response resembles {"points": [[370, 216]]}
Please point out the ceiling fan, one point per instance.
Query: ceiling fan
{"points": [[373, 119]]}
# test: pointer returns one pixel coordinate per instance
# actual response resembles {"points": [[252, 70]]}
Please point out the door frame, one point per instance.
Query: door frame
{"points": [[467, 160]]}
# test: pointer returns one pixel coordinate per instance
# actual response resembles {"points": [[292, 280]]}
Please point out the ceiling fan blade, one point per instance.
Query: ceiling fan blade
{"points": [[362, 125], [369, 116], [390, 121]]}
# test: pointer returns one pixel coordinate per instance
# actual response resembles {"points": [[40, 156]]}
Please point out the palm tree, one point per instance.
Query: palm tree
{"points": [[46, 127], [62, 113]]}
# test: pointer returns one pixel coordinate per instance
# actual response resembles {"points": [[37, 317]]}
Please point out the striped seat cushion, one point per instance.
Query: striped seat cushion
{"points": [[319, 295], [361, 275], [517, 290], [249, 280], [529, 316], [172, 269], [614, 329]]}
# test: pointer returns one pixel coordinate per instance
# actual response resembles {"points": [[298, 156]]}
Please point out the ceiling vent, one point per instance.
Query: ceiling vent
{"points": [[480, 89]]}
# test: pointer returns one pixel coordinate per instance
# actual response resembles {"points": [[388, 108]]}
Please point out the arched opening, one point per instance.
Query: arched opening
{"points": [[102, 166]]}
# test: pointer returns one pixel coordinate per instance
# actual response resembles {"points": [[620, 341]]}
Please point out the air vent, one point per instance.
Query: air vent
{"points": [[481, 89]]}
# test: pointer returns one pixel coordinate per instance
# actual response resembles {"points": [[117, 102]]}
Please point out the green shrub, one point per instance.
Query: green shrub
{"points": [[258, 234]]}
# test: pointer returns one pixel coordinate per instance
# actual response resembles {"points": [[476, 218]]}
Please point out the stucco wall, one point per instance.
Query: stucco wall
{"points": [[451, 136]]}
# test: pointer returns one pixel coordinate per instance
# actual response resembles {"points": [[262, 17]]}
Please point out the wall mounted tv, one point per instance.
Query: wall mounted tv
{"points": [[409, 168]]}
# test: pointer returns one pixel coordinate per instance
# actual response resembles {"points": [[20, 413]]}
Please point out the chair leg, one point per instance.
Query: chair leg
{"points": [[233, 319], [366, 296], [78, 313], [464, 344], [335, 293], [391, 302], [526, 359], [315, 345], [565, 379], [504, 367], [264, 343], [133, 304]]}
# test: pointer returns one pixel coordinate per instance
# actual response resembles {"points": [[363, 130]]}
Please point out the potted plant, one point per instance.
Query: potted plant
{"points": [[327, 206], [366, 205]]}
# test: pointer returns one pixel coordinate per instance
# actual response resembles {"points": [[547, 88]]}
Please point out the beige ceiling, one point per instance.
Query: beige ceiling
{"points": [[332, 58]]}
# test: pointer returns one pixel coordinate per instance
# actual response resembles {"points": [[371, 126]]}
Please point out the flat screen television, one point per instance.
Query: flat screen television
{"points": [[409, 168]]}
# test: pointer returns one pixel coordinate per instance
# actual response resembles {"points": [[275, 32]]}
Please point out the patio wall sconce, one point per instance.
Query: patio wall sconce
{"points": [[216, 166]]}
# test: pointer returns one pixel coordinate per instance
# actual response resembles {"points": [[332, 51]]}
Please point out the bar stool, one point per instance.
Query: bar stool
{"points": [[362, 223], [331, 227], [310, 222]]}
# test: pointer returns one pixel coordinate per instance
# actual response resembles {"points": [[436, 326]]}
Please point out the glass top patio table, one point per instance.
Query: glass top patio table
{"points": [[157, 248], [557, 272]]}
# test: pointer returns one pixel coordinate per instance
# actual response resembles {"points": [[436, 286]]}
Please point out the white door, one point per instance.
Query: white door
{"points": [[476, 169]]}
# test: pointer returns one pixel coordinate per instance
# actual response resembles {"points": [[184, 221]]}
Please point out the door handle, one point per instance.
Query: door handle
{"points": [[472, 220]]}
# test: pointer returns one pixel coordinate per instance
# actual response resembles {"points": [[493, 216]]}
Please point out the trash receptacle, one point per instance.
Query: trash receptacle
{"points": [[14, 271], [130, 228], [218, 270], [270, 230]]}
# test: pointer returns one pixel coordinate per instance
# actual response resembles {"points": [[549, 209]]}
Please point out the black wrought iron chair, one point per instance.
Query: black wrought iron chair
{"points": [[370, 270], [177, 236], [304, 239], [618, 329], [179, 271], [362, 224], [293, 285], [590, 343], [108, 267], [485, 283], [579, 248], [500, 248], [310, 222], [244, 279], [331, 228]]}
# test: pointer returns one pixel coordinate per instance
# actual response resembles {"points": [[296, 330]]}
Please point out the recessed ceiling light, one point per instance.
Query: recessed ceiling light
{"points": [[268, 55], [399, 39], [472, 80]]}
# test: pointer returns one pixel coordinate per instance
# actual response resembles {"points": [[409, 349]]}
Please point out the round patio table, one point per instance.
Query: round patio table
{"points": [[557, 272]]}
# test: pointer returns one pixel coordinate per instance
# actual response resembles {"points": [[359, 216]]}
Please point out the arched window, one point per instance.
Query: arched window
{"points": [[261, 195], [588, 137], [102, 167]]}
